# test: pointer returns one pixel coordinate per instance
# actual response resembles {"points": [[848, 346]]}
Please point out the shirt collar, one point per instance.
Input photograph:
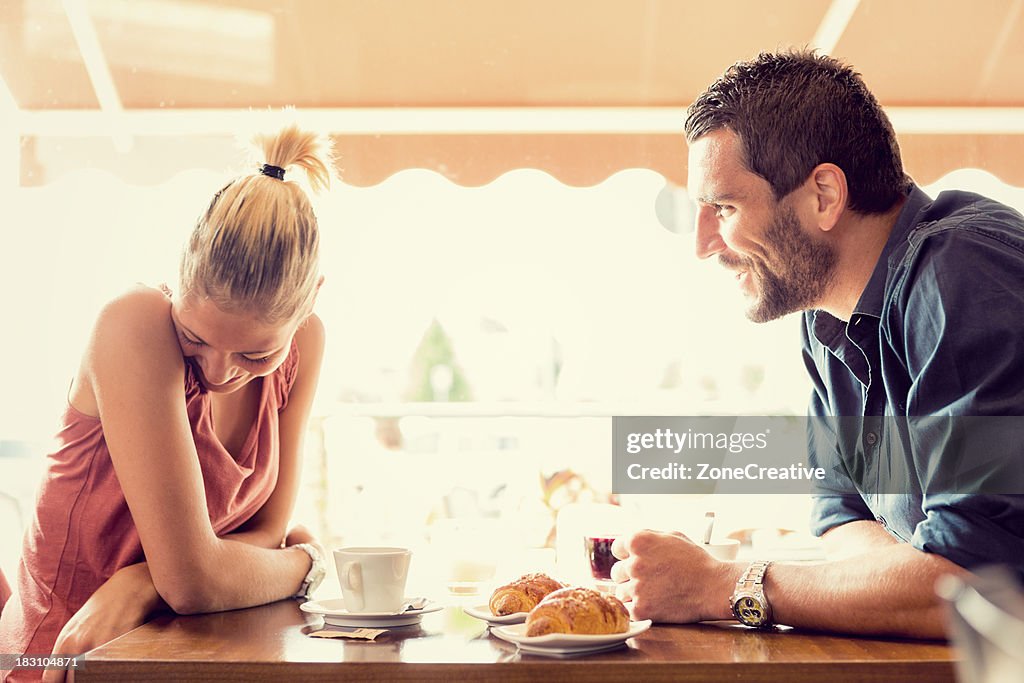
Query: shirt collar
{"points": [[871, 299], [848, 341]]}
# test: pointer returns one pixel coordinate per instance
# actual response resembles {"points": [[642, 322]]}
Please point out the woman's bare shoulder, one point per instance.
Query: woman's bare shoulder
{"points": [[137, 320], [132, 340], [139, 303], [140, 316], [310, 335]]}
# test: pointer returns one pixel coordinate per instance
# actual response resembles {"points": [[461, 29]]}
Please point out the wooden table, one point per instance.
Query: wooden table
{"points": [[270, 643]]}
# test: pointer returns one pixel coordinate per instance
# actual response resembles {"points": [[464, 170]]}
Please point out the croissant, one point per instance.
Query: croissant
{"points": [[577, 610], [523, 594]]}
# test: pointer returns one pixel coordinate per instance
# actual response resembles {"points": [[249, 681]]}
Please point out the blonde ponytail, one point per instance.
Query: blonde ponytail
{"points": [[257, 247], [294, 147]]}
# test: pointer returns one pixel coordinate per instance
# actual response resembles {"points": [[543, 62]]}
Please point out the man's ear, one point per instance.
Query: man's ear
{"points": [[828, 190]]}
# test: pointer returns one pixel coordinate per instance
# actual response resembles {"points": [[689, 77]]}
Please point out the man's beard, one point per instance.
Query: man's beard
{"points": [[794, 274]]}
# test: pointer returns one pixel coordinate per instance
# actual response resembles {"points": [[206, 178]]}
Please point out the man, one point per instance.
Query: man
{"points": [[801, 192]]}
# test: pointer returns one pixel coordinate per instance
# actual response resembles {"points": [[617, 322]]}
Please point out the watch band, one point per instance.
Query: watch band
{"points": [[316, 573], [754, 576], [748, 603]]}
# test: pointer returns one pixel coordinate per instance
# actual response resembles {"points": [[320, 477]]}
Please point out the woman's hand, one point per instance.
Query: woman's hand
{"points": [[125, 601], [300, 534]]}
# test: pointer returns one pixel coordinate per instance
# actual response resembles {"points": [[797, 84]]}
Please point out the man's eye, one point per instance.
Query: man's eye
{"points": [[723, 210]]}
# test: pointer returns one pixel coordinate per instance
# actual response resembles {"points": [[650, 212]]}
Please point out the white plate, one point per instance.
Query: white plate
{"points": [[566, 643], [483, 612], [335, 614]]}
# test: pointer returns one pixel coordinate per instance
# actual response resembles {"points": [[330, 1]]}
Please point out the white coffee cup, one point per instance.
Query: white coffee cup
{"points": [[373, 579], [724, 549]]}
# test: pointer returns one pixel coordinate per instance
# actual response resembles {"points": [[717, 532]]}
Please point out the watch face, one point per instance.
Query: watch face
{"points": [[750, 610]]}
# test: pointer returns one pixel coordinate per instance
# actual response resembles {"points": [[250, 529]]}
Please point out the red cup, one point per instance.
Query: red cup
{"points": [[598, 550]]}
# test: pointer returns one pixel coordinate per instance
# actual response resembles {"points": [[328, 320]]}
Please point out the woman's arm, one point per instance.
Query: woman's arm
{"points": [[268, 526], [136, 372], [125, 601]]}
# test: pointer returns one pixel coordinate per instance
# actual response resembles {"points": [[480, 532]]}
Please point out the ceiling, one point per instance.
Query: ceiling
{"points": [[638, 63]]}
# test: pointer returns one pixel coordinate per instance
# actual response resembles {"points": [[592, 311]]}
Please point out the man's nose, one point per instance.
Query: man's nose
{"points": [[709, 241]]}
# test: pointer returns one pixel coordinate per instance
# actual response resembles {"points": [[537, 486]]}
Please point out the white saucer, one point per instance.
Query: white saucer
{"points": [[334, 613], [565, 643], [483, 612]]}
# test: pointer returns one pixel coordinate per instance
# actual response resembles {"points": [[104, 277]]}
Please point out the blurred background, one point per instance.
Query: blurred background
{"points": [[508, 255]]}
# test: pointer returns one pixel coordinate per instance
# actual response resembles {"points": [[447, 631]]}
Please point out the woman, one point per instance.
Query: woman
{"points": [[5, 591], [178, 458]]}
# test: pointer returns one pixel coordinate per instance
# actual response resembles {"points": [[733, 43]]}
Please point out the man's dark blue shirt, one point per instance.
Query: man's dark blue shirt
{"points": [[938, 331]]}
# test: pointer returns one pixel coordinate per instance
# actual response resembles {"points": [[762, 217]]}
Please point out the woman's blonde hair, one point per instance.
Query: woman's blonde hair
{"points": [[256, 248]]}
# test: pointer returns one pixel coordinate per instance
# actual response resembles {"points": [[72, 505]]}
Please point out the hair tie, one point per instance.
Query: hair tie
{"points": [[273, 171]]}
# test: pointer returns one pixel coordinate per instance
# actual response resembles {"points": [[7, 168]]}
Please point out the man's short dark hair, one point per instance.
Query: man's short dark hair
{"points": [[794, 110]]}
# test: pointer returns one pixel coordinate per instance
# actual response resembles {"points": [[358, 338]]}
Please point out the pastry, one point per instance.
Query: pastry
{"points": [[579, 611], [523, 594]]}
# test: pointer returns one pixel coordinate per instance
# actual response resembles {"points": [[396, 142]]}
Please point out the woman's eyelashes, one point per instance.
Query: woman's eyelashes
{"points": [[254, 361]]}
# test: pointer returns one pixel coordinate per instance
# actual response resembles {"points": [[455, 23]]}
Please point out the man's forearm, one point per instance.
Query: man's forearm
{"points": [[887, 591], [855, 538]]}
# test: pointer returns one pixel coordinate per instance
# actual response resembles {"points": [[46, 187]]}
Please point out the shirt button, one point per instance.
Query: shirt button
{"points": [[872, 438]]}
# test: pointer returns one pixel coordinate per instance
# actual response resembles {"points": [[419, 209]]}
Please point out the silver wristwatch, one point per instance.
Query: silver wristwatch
{"points": [[748, 602], [316, 573]]}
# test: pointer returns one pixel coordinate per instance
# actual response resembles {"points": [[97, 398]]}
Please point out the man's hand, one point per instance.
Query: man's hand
{"points": [[122, 603], [666, 577]]}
